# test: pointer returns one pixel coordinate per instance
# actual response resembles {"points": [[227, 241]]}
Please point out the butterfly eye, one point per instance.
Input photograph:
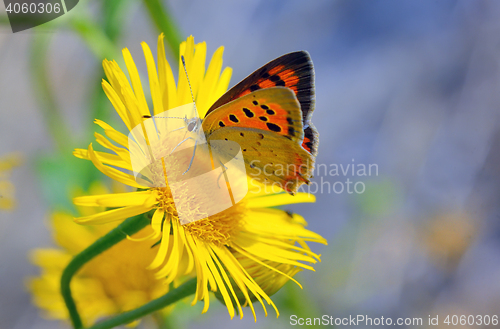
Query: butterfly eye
{"points": [[191, 126]]}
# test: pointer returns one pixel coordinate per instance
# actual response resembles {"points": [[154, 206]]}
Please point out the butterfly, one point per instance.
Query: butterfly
{"points": [[269, 115]]}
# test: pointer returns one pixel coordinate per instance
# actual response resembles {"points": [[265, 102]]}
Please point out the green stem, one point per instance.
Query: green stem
{"points": [[173, 296], [166, 24], [114, 14], [128, 227], [43, 88], [94, 37]]}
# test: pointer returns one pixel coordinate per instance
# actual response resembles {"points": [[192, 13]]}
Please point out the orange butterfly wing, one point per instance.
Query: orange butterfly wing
{"points": [[295, 71], [267, 124]]}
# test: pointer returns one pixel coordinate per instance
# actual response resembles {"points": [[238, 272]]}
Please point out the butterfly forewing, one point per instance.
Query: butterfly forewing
{"points": [[293, 70]]}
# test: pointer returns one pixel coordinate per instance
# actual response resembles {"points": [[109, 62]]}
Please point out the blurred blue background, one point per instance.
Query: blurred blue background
{"points": [[409, 86]]}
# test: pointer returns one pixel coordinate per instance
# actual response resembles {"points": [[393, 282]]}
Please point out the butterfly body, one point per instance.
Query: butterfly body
{"points": [[269, 115]]}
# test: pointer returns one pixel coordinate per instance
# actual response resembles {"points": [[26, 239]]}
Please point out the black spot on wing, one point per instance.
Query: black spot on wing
{"points": [[254, 87], [233, 118], [273, 127], [248, 113], [274, 78], [311, 139]]}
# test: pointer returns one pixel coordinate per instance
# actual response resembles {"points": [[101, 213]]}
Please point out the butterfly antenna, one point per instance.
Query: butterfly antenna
{"points": [[189, 83], [149, 117]]}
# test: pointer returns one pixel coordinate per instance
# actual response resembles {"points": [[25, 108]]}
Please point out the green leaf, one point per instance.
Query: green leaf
{"points": [[166, 24]]}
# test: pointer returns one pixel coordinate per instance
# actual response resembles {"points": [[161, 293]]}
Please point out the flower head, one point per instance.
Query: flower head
{"points": [[244, 253], [112, 283], [6, 187]]}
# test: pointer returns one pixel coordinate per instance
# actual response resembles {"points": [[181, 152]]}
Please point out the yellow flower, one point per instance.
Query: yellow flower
{"points": [[115, 281], [232, 252], [6, 187]]}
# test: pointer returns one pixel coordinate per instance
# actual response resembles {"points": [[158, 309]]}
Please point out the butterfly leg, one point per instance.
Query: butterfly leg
{"points": [[181, 143], [177, 129], [192, 158], [222, 173]]}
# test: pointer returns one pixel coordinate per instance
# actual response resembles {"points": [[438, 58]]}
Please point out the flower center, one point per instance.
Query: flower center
{"points": [[166, 201], [196, 193], [216, 229]]}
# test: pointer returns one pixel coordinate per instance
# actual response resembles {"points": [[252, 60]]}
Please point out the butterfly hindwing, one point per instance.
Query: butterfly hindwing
{"points": [[311, 139], [270, 158]]}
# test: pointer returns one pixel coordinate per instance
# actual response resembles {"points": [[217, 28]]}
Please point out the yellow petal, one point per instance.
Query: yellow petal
{"points": [[218, 279], [117, 104], [157, 222], [197, 69], [120, 151], [115, 135], [169, 270], [273, 253], [222, 85], [275, 222], [110, 159], [227, 281], [9, 161], [154, 84], [114, 200], [209, 82], [113, 215], [166, 77], [242, 279], [187, 50], [279, 200], [136, 82], [112, 172], [164, 245]]}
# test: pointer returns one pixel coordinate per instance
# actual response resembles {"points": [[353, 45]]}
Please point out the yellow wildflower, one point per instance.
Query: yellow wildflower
{"points": [[115, 281], [230, 253], [7, 201]]}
